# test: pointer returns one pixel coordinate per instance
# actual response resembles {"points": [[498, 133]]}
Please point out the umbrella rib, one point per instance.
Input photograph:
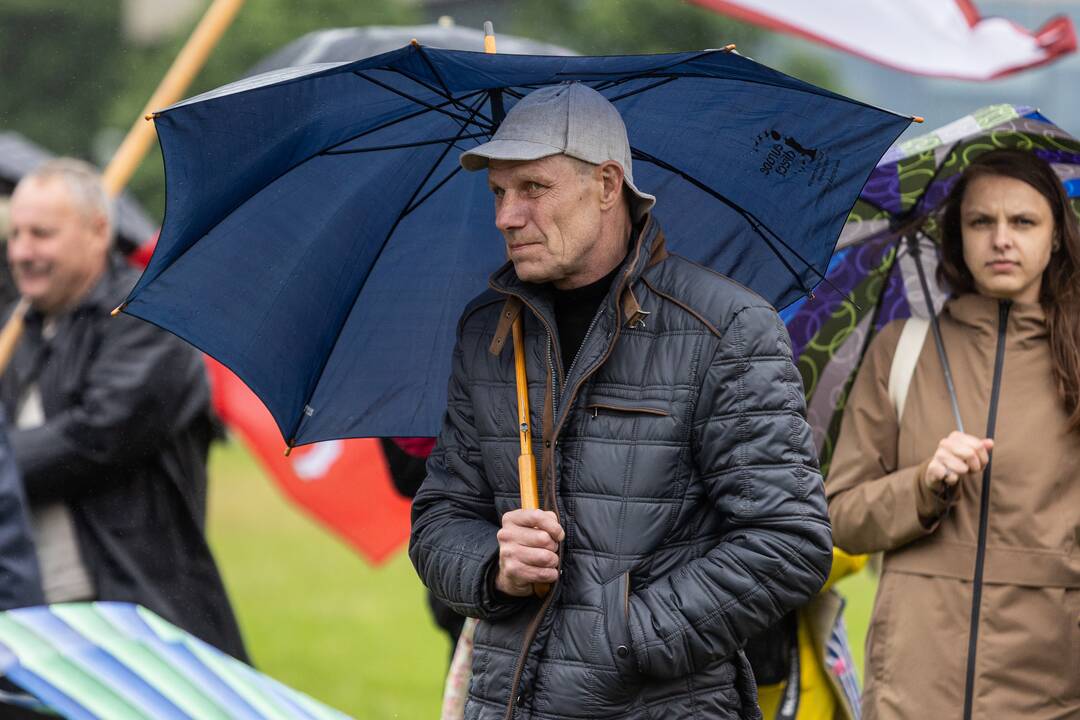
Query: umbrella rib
{"points": [[655, 85], [408, 207], [481, 94], [457, 102], [393, 122], [404, 146], [604, 85], [431, 192], [418, 101], [434, 70], [756, 224], [647, 73]]}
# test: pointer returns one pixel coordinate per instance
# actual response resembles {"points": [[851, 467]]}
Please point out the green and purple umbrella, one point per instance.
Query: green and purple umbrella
{"points": [[121, 661], [873, 276]]}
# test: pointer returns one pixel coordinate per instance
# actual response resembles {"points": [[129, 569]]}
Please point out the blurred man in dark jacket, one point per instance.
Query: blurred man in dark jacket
{"points": [[110, 419]]}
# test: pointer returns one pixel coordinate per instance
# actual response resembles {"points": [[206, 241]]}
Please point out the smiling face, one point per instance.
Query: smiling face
{"points": [[1007, 228], [554, 214], [56, 248]]}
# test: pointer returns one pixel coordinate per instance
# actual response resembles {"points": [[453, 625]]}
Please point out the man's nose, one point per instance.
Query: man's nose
{"points": [[17, 249], [509, 213]]}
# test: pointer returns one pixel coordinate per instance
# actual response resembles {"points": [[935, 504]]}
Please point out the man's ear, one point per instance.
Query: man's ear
{"points": [[611, 175], [98, 225]]}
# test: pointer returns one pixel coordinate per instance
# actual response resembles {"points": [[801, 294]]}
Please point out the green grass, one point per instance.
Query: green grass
{"points": [[314, 614], [320, 619], [858, 590]]}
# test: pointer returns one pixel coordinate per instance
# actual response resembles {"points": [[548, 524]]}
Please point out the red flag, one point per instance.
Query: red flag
{"points": [[344, 484]]}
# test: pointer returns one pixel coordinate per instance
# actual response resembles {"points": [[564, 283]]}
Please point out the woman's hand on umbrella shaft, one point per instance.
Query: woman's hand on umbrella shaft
{"points": [[956, 455], [528, 551]]}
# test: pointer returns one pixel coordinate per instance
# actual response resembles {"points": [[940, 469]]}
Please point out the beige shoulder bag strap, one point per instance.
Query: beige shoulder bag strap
{"points": [[903, 365]]}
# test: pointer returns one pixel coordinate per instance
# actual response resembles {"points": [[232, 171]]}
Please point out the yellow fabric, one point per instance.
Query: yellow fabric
{"points": [[843, 565], [816, 701]]}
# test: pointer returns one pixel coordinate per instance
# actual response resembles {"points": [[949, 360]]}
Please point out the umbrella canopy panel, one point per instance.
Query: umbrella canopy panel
{"points": [[320, 238], [118, 660]]}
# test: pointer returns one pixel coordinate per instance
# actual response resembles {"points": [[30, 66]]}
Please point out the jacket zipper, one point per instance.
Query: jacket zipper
{"points": [[984, 511], [530, 631], [554, 377], [585, 339], [534, 624]]}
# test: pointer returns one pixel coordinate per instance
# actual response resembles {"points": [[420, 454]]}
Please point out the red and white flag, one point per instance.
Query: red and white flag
{"points": [[943, 38]]}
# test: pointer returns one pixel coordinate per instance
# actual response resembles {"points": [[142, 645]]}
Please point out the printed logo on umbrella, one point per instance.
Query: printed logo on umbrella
{"points": [[786, 157]]}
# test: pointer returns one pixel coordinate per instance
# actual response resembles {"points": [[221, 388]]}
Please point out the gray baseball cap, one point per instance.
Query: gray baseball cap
{"points": [[569, 119]]}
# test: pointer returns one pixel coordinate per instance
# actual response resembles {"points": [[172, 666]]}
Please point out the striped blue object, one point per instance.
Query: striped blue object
{"points": [[117, 660], [839, 662]]}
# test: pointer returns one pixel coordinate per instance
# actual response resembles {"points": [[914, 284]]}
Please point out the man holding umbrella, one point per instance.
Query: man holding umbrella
{"points": [[682, 509]]}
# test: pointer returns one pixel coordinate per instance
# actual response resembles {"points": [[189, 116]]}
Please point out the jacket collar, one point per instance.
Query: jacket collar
{"points": [[1027, 321]]}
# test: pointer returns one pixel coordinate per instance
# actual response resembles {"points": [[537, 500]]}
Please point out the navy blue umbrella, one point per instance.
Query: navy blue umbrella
{"points": [[321, 241]]}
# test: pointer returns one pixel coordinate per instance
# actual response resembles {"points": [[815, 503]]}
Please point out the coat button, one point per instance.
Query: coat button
{"points": [[547, 443], [622, 651]]}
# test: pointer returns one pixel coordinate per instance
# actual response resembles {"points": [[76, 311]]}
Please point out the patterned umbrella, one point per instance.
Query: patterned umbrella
{"points": [[117, 660], [873, 276]]}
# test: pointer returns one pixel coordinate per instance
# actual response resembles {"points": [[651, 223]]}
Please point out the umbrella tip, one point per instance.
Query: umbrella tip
{"points": [[288, 449], [414, 42], [916, 118], [118, 309], [151, 116], [729, 48]]}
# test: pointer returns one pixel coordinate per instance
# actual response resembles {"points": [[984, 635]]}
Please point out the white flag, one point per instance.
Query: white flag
{"points": [[944, 38]]}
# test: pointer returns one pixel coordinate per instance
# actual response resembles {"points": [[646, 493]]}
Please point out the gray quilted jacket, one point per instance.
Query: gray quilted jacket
{"points": [[676, 454]]}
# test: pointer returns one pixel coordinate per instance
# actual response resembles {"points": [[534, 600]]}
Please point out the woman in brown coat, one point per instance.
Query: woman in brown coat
{"points": [[978, 609]]}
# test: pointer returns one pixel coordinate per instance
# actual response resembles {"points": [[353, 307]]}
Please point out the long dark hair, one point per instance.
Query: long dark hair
{"points": [[1060, 292]]}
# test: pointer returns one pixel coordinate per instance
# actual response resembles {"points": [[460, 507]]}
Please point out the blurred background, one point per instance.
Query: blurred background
{"points": [[74, 76]]}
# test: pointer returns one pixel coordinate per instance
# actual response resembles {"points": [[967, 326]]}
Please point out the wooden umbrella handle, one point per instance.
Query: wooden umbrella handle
{"points": [[185, 67], [530, 497], [12, 331]]}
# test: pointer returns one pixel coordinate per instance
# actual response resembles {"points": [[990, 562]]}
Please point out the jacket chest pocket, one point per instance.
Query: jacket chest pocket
{"points": [[640, 418], [620, 408]]}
